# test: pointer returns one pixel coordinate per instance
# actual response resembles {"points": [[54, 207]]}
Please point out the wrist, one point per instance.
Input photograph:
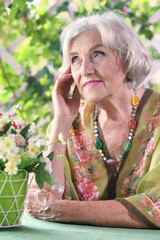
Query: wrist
{"points": [[64, 119]]}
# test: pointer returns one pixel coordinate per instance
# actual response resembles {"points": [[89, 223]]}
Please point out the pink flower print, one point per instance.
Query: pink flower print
{"points": [[142, 139], [154, 123], [150, 147], [156, 112], [72, 150], [146, 202], [157, 205], [93, 157], [85, 107], [76, 167], [87, 190], [82, 105], [155, 214], [79, 171], [157, 104], [88, 109], [83, 155], [90, 144], [124, 187], [79, 139], [95, 176], [147, 117], [139, 156]]}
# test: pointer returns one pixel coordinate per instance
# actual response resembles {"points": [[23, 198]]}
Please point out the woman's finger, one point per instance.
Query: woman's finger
{"points": [[76, 94], [66, 72], [61, 80]]}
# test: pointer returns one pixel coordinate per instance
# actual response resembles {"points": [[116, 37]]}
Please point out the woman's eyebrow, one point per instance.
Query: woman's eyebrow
{"points": [[92, 48], [96, 46]]}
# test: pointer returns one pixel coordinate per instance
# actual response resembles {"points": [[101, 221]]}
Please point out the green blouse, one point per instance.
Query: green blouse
{"points": [[136, 184]]}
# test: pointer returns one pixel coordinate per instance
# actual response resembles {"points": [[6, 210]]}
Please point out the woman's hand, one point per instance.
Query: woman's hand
{"points": [[42, 204], [63, 105]]}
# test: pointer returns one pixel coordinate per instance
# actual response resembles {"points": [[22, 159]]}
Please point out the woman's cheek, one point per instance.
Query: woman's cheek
{"points": [[74, 75]]}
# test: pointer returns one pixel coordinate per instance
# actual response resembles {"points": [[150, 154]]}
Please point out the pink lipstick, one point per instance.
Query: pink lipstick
{"points": [[91, 84]]}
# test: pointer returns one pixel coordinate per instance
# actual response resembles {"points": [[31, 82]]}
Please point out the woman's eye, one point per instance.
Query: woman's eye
{"points": [[74, 59], [98, 53]]}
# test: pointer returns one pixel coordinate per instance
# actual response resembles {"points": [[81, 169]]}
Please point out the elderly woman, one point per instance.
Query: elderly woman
{"points": [[111, 167]]}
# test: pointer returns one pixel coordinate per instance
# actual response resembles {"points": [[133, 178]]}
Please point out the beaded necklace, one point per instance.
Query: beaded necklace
{"points": [[127, 145]]}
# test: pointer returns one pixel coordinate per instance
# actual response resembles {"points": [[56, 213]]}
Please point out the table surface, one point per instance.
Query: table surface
{"points": [[35, 229]]}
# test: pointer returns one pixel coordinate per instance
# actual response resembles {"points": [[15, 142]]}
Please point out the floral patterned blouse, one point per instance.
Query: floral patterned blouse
{"points": [[137, 183]]}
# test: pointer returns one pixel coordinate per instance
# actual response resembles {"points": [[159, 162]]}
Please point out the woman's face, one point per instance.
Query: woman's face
{"points": [[98, 72]]}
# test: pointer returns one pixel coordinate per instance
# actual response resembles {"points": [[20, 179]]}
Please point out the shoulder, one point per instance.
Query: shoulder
{"points": [[155, 95], [152, 115], [151, 102], [155, 103]]}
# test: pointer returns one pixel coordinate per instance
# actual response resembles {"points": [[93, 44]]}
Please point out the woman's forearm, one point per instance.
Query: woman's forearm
{"points": [[58, 126], [109, 213]]}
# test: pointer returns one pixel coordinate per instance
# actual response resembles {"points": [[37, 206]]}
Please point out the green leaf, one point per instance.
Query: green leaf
{"points": [[119, 5], [149, 34], [40, 155], [6, 128], [51, 156], [2, 165], [13, 12], [47, 178], [142, 30], [108, 4], [63, 7], [40, 180], [36, 120], [154, 53], [40, 168], [21, 5], [25, 131], [13, 131], [2, 5]]}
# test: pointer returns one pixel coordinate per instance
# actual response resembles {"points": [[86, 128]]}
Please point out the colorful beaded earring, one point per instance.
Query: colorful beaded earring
{"points": [[132, 127]]}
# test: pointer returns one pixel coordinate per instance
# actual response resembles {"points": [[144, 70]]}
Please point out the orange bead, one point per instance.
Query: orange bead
{"points": [[132, 124], [95, 123], [135, 101]]}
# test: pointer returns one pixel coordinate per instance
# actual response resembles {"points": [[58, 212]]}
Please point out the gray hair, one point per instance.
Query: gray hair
{"points": [[118, 36]]}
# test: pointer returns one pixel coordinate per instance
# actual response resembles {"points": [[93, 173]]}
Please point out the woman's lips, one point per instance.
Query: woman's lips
{"points": [[91, 84]]}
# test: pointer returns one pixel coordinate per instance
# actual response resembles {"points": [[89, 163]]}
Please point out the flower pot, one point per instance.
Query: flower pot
{"points": [[13, 190]]}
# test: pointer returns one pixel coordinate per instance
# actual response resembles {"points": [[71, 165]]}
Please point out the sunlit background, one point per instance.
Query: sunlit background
{"points": [[30, 53]]}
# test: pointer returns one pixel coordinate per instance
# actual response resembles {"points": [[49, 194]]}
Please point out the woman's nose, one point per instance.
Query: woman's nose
{"points": [[87, 67]]}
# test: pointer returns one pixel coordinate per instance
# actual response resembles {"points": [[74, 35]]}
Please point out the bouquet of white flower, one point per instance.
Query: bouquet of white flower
{"points": [[22, 146]]}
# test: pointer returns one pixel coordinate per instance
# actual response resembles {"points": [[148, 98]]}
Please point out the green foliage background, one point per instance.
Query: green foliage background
{"points": [[40, 53]]}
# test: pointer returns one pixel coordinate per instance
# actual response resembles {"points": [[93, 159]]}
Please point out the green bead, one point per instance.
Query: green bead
{"points": [[127, 146], [132, 130], [98, 143], [123, 153]]}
